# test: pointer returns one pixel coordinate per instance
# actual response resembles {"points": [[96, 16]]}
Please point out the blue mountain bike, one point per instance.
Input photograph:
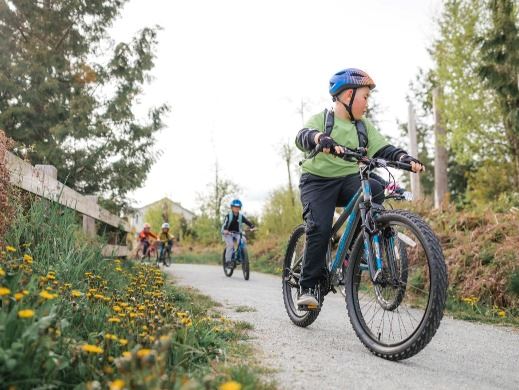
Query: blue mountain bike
{"points": [[395, 276], [240, 256]]}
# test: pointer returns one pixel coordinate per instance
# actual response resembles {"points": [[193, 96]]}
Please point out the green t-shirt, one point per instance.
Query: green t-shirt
{"points": [[344, 133]]}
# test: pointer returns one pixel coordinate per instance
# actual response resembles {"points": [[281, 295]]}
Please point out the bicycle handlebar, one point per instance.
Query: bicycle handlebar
{"points": [[359, 155]]}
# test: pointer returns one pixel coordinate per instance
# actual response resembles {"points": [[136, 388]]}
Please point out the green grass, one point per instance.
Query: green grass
{"points": [[210, 257], [174, 337], [244, 309]]}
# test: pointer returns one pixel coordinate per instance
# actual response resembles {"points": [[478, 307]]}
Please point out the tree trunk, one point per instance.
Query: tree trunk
{"points": [[416, 187], [440, 155]]}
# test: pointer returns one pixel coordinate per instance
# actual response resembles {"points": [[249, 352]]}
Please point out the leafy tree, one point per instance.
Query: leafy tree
{"points": [[280, 215], [499, 69], [67, 93], [214, 204], [469, 111]]}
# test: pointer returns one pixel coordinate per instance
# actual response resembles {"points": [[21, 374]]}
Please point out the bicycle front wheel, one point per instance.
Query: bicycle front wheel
{"points": [[167, 258], [228, 268], [396, 316], [245, 265]]}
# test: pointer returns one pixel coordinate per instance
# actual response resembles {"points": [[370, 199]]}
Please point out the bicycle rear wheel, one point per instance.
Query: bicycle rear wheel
{"points": [[398, 315], [290, 280], [228, 269]]}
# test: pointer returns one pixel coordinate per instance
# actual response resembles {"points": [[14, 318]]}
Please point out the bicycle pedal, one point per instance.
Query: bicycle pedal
{"points": [[309, 307]]}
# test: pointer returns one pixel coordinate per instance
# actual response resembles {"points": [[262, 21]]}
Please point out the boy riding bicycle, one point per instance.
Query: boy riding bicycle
{"points": [[232, 227], [166, 239], [328, 182], [144, 237]]}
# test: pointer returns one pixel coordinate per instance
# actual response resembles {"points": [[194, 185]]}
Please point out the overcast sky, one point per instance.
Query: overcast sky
{"points": [[234, 74]]}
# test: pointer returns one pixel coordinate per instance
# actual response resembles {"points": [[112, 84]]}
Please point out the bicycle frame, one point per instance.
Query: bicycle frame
{"points": [[237, 253], [356, 211]]}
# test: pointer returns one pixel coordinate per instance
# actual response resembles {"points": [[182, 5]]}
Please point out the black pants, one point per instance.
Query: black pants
{"points": [[320, 196]]}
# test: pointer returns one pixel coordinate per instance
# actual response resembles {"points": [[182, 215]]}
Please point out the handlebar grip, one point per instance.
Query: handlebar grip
{"points": [[401, 165]]}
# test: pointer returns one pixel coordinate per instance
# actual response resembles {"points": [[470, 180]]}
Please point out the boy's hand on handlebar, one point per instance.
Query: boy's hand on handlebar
{"points": [[328, 144], [226, 232], [416, 165]]}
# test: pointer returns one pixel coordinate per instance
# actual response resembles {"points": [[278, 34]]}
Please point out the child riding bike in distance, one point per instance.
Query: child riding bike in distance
{"points": [[327, 181], [144, 236], [165, 238], [232, 227]]}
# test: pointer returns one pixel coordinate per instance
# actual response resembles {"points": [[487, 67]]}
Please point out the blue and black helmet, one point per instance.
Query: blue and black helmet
{"points": [[349, 78], [236, 203]]}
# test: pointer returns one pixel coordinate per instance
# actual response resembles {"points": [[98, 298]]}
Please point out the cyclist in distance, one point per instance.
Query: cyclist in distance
{"points": [[144, 236], [165, 238], [327, 181], [232, 227]]}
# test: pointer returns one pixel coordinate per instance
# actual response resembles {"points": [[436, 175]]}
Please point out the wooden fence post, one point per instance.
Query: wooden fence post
{"points": [[89, 223]]}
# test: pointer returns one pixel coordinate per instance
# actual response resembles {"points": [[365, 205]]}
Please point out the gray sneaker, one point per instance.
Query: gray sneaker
{"points": [[307, 297]]}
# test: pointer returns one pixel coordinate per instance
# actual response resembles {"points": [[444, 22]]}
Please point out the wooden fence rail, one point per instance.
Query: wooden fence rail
{"points": [[42, 181]]}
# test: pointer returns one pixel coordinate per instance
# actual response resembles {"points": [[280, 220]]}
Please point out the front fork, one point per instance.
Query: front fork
{"points": [[371, 234]]}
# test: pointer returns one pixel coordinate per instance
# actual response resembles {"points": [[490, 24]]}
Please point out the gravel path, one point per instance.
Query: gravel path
{"points": [[462, 355]]}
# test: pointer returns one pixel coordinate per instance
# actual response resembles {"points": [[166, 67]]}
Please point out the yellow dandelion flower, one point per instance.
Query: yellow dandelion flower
{"points": [[501, 313], [117, 384], [123, 342], [18, 296], [108, 370], [4, 291], [110, 336], [114, 319], [10, 248], [25, 292], [27, 313], [91, 348], [98, 296], [230, 385], [142, 353], [46, 295], [116, 308], [2, 273], [127, 354], [27, 258], [118, 269], [76, 293], [51, 276]]}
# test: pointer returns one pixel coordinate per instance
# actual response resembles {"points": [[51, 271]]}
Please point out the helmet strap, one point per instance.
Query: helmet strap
{"points": [[349, 106]]}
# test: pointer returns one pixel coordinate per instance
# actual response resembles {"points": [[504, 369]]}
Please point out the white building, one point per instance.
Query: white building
{"points": [[137, 217]]}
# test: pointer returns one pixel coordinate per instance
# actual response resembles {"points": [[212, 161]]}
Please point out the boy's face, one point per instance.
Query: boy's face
{"points": [[235, 209], [165, 230], [146, 229], [360, 104]]}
